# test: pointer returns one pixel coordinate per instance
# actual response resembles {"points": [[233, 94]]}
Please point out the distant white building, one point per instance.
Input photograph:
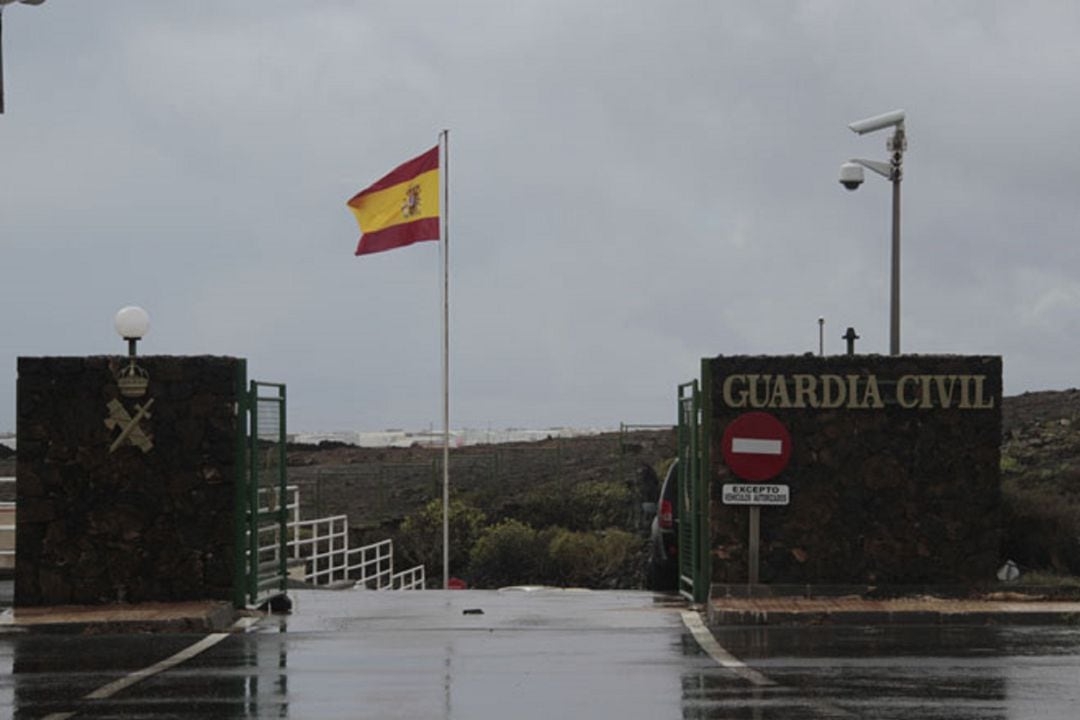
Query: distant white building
{"points": [[433, 438]]}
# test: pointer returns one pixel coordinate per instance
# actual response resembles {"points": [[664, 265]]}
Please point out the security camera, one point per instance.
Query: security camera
{"points": [[851, 175], [878, 122]]}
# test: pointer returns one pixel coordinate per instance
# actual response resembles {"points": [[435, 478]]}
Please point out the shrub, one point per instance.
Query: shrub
{"points": [[1051, 580], [591, 505], [606, 559], [509, 553], [602, 505], [1041, 529], [542, 506], [420, 538]]}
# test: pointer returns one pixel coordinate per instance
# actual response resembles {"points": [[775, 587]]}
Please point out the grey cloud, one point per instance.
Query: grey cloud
{"points": [[634, 186]]}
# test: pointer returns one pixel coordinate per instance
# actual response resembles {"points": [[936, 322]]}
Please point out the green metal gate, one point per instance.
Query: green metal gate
{"points": [[262, 516], [693, 500]]}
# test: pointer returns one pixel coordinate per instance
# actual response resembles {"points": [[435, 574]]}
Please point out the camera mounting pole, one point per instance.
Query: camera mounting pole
{"points": [[2, 4], [896, 145], [851, 177]]}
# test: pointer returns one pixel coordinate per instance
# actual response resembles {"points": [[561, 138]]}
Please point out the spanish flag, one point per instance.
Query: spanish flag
{"points": [[400, 208]]}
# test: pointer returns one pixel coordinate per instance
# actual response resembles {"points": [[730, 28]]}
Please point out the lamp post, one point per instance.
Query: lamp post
{"points": [[132, 323], [851, 177]]}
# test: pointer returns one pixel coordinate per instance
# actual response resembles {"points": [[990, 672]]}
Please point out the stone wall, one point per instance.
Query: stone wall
{"points": [[148, 518], [894, 473]]}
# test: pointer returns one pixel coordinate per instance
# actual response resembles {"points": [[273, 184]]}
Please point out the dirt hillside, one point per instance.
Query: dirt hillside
{"points": [[377, 487]]}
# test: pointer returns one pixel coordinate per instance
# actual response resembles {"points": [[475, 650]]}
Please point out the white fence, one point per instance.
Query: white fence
{"points": [[322, 545], [7, 530], [411, 579]]}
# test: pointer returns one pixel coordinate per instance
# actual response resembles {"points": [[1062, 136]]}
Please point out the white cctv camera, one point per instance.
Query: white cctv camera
{"points": [[878, 122], [851, 175]]}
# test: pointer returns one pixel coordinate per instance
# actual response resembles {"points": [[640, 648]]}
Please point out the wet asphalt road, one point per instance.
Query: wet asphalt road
{"points": [[920, 672], [556, 655]]}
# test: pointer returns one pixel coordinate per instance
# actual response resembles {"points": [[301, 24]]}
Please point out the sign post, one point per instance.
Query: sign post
{"points": [[756, 447], [755, 543]]}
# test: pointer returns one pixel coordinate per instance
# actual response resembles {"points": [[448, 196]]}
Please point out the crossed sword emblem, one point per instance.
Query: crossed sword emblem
{"points": [[129, 425]]}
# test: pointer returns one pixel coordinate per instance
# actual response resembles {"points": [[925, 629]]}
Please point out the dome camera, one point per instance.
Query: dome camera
{"points": [[851, 175]]}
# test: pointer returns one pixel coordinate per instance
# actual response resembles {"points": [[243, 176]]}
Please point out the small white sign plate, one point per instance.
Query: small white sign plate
{"points": [[756, 494]]}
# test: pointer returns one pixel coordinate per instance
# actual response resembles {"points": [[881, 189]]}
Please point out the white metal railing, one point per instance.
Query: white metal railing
{"points": [[323, 546], [376, 565], [7, 530], [411, 579]]}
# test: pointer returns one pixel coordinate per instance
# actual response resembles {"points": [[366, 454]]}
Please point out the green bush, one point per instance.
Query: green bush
{"points": [[591, 505], [606, 559], [542, 506], [601, 505], [1041, 529], [420, 538], [509, 553], [1051, 580], [513, 553]]}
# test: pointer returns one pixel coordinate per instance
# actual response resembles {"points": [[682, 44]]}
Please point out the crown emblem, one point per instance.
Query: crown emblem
{"points": [[132, 380], [411, 204]]}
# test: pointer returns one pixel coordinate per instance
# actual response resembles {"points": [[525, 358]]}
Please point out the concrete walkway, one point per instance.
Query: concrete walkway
{"points": [[999, 609]]}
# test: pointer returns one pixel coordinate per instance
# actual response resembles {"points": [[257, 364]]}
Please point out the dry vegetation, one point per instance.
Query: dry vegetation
{"points": [[563, 511], [1040, 471]]}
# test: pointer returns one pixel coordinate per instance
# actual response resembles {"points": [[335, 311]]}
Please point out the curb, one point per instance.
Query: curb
{"points": [[190, 618], [758, 605], [1065, 616]]}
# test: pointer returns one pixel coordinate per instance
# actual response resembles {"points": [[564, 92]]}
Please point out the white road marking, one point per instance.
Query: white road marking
{"points": [[716, 651], [756, 446], [184, 655], [723, 658]]}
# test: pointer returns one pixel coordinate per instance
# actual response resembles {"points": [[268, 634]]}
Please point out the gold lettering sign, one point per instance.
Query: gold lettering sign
{"points": [[856, 392]]}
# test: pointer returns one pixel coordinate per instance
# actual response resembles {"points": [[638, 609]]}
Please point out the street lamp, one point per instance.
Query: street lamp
{"points": [[851, 177], [132, 323]]}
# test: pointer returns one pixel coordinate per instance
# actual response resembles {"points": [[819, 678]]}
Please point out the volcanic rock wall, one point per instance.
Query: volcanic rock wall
{"points": [[126, 499], [894, 472]]}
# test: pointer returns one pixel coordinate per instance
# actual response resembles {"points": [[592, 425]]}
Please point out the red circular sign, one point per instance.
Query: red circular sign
{"points": [[756, 446]]}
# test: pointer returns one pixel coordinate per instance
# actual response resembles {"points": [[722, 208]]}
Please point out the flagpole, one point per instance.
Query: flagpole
{"points": [[446, 356], [1, 60]]}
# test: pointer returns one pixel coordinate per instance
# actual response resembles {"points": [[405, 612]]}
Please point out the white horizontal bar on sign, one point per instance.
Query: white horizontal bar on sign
{"points": [[757, 447]]}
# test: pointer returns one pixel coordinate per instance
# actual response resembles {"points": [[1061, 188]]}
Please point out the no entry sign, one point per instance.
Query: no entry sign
{"points": [[756, 446]]}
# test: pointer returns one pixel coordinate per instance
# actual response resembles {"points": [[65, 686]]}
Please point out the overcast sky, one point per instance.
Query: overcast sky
{"points": [[634, 185]]}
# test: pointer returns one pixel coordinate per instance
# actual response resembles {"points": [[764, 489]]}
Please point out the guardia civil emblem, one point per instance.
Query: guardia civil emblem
{"points": [[132, 382], [132, 323], [130, 429]]}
